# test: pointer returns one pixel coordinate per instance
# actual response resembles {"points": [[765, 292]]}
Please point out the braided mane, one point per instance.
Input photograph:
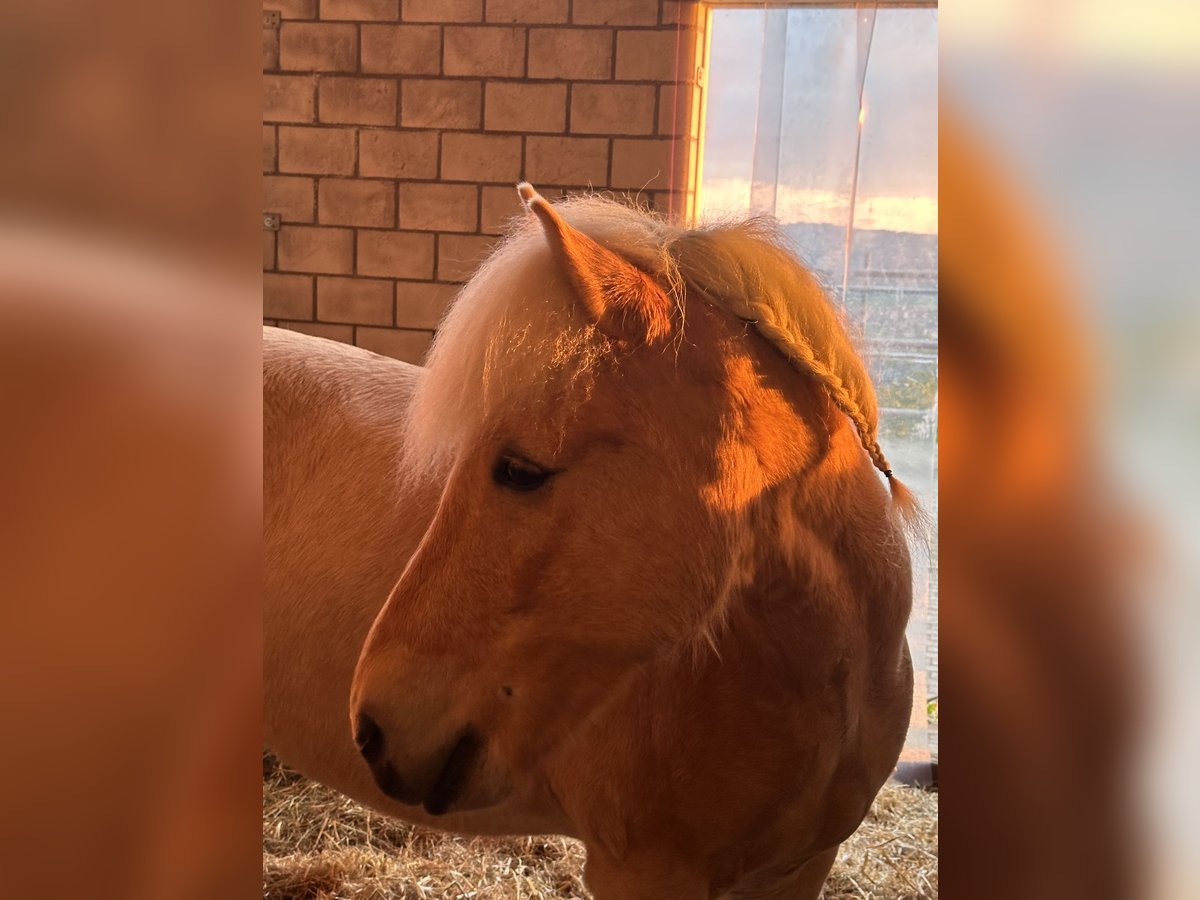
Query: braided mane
{"points": [[486, 351], [746, 269]]}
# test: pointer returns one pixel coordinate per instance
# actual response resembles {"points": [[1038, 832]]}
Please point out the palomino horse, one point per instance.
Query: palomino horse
{"points": [[651, 590]]}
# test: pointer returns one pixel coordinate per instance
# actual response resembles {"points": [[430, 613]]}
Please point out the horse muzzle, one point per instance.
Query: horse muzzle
{"points": [[435, 780]]}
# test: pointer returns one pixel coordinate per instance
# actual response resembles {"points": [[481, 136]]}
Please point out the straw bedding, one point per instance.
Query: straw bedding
{"points": [[318, 845]]}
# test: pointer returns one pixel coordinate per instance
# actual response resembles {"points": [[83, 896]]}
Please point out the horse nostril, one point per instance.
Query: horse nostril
{"points": [[369, 738]]}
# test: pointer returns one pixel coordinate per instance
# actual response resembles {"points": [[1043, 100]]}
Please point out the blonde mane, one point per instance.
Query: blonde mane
{"points": [[505, 341]]}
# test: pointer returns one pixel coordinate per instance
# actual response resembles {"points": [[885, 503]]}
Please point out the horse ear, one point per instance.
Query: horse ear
{"points": [[623, 301]]}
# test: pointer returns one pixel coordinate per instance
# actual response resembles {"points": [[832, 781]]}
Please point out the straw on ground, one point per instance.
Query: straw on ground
{"points": [[318, 845]]}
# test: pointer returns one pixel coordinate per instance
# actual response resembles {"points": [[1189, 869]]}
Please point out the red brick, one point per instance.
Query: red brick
{"points": [[318, 151], [341, 333], [668, 202], [647, 55], [575, 53], [480, 157], [674, 106], [421, 304], [290, 196], [459, 255], [402, 49], [318, 47], [525, 107], [642, 164], [288, 98], [398, 154], [358, 101], [355, 201], [439, 207], [304, 248], [484, 51], [268, 148], [406, 346], [612, 109], [528, 12], [396, 254], [675, 11], [429, 103], [287, 296], [442, 11], [270, 49], [567, 161], [359, 300], [268, 248], [498, 205], [293, 9], [361, 10], [615, 12]]}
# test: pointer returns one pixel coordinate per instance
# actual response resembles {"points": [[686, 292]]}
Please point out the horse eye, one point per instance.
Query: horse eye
{"points": [[518, 475]]}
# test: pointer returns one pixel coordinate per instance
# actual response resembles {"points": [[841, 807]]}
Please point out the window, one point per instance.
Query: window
{"points": [[826, 117]]}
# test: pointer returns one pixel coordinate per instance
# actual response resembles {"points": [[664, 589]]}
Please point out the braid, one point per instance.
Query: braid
{"points": [[793, 344], [798, 350], [879, 459], [747, 270]]}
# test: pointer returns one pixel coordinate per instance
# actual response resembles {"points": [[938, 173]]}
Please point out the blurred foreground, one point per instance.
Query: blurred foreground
{"points": [[129, 488]]}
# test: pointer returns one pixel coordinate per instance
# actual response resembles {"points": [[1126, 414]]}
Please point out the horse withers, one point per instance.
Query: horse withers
{"points": [[647, 587]]}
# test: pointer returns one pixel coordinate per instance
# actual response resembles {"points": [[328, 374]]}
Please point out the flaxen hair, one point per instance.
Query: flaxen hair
{"points": [[485, 354]]}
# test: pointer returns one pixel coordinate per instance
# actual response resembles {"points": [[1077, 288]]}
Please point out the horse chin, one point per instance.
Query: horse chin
{"points": [[466, 783], [475, 794]]}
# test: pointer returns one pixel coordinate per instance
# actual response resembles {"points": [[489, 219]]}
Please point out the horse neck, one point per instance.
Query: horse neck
{"points": [[815, 589], [812, 579], [818, 543]]}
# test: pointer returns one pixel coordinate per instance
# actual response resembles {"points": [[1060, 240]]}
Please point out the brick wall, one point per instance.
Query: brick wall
{"points": [[394, 132]]}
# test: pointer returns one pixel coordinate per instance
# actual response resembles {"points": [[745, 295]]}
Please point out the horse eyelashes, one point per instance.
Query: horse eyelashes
{"points": [[518, 475]]}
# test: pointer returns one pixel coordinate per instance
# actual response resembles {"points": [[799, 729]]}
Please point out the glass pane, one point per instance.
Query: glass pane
{"points": [[855, 189]]}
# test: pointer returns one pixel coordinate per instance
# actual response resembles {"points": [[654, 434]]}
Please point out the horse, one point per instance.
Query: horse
{"points": [[617, 564]]}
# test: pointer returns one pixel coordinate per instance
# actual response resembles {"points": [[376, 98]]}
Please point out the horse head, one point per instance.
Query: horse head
{"points": [[622, 450]]}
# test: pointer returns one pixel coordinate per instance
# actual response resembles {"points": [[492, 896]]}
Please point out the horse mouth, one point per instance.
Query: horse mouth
{"points": [[449, 785]]}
